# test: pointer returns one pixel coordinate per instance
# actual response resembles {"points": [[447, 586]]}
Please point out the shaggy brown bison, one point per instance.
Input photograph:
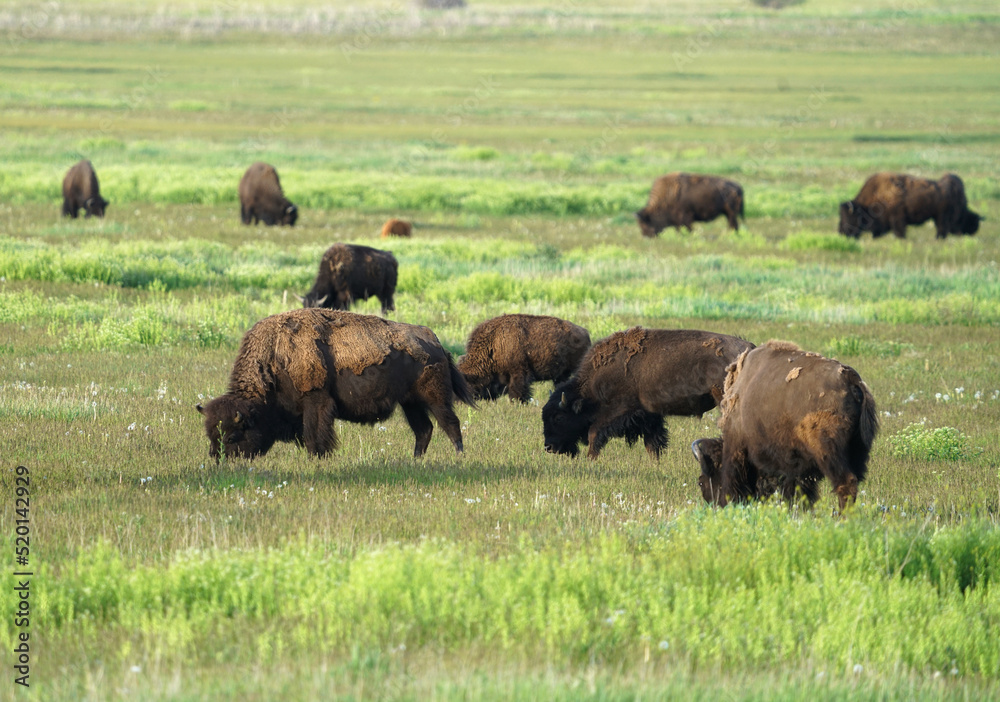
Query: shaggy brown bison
{"points": [[349, 272], [678, 199], [298, 371], [627, 383], [891, 201], [261, 197], [789, 418], [510, 352], [396, 227], [80, 190]]}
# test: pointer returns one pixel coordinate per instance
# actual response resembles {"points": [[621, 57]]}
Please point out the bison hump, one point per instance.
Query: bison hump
{"points": [[365, 340]]}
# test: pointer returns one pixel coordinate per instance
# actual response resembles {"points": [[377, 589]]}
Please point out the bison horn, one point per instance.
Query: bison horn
{"points": [[562, 401], [696, 448], [238, 418], [850, 207], [200, 408], [300, 298], [290, 209], [319, 302]]}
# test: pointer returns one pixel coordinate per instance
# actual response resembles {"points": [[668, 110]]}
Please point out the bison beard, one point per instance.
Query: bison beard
{"points": [[299, 371], [789, 419], [628, 383]]}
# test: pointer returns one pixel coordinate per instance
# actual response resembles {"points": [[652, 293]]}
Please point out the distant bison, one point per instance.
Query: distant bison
{"points": [[678, 199], [261, 197], [299, 371], [396, 227], [627, 383], [891, 201], [349, 272], [80, 190], [510, 352], [789, 418]]}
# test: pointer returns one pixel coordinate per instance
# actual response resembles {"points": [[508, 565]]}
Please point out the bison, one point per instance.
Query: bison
{"points": [[678, 199], [891, 201], [396, 227], [789, 419], [261, 197], [510, 352], [80, 190], [298, 371], [627, 383], [349, 272]]}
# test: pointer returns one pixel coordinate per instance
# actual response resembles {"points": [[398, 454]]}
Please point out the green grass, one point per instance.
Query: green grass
{"points": [[519, 140]]}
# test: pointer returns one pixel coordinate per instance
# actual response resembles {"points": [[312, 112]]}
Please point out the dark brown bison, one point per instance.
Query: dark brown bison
{"points": [[348, 272], [298, 371], [510, 352], [396, 227], [80, 190], [789, 418], [891, 201], [678, 199], [261, 197], [627, 383]]}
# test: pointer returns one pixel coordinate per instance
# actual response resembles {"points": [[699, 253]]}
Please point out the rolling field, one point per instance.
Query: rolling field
{"points": [[519, 140]]}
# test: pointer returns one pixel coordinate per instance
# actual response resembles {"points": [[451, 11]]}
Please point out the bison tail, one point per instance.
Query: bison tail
{"points": [[459, 385], [869, 424]]}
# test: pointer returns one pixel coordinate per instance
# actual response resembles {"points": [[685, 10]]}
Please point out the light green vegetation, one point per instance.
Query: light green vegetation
{"points": [[519, 140]]}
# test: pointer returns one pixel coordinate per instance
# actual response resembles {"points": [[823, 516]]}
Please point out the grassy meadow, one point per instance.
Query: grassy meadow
{"points": [[519, 140]]}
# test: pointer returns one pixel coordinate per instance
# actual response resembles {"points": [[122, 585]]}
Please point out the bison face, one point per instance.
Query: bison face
{"points": [[290, 215], [709, 455], [646, 225], [95, 206], [566, 419], [969, 223], [850, 219], [232, 430]]}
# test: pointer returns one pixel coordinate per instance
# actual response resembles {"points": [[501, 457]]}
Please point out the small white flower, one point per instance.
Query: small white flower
{"points": [[954, 671], [131, 427], [136, 669], [664, 645], [270, 494], [858, 668]]}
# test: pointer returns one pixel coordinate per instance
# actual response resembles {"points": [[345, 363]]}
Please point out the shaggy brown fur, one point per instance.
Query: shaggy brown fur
{"points": [[261, 197], [81, 190], [789, 418], [679, 199], [627, 384], [298, 371], [510, 352], [396, 227], [350, 272], [891, 201]]}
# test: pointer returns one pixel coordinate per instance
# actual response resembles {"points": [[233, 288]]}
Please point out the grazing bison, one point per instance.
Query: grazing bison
{"points": [[348, 272], [510, 352], [261, 198], [678, 199], [891, 201], [298, 371], [627, 383], [789, 418], [80, 190], [396, 227]]}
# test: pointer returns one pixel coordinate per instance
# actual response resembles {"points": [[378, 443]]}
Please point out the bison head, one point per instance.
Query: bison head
{"points": [[709, 455], [646, 225], [969, 222], [95, 205], [853, 219], [310, 300], [290, 215], [566, 419], [232, 429]]}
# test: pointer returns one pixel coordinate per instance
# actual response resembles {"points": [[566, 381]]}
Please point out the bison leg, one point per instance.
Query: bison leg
{"points": [[654, 435], [387, 304], [519, 387], [847, 492], [942, 228], [420, 423], [68, 209], [244, 214], [739, 478], [318, 412], [433, 391]]}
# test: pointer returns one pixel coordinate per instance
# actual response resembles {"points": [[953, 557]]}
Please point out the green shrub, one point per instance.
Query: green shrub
{"points": [[941, 444]]}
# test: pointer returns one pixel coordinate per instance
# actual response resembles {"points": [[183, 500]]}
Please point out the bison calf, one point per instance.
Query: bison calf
{"points": [[348, 272], [679, 199], [261, 197], [626, 384], [892, 201], [81, 190], [396, 227], [297, 372], [789, 418], [510, 352]]}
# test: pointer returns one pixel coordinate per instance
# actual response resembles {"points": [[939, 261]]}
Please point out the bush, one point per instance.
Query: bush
{"points": [[941, 444]]}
